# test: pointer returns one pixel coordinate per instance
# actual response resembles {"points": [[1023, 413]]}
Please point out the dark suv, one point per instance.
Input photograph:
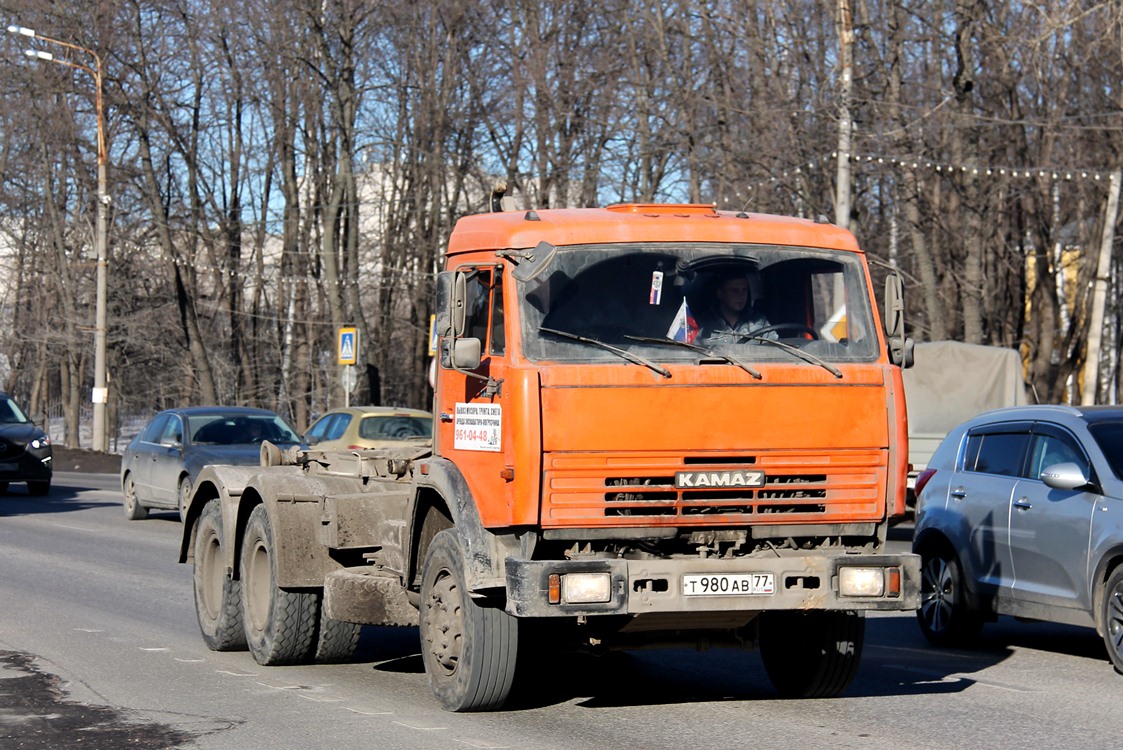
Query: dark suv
{"points": [[1020, 512], [25, 450]]}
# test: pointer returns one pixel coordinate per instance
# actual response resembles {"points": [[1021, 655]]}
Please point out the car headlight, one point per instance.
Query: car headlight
{"points": [[40, 442]]}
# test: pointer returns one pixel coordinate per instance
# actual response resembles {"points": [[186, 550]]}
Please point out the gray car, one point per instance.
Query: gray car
{"points": [[1020, 512], [160, 465]]}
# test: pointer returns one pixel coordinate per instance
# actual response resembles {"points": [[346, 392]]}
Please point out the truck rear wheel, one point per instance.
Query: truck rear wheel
{"points": [[469, 649], [279, 624], [335, 640], [218, 597], [811, 654]]}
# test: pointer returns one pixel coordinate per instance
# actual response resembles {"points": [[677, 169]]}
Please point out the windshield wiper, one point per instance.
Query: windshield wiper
{"points": [[805, 356], [700, 349], [634, 358]]}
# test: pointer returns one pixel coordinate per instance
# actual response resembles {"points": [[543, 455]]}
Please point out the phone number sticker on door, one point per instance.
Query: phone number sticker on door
{"points": [[478, 427]]}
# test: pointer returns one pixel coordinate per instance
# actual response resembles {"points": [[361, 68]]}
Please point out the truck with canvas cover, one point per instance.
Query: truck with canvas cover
{"points": [[951, 382], [655, 425]]}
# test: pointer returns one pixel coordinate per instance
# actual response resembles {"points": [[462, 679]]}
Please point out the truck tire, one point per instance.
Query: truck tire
{"points": [[279, 624], [134, 511], [811, 654], [335, 640], [218, 598], [469, 650]]}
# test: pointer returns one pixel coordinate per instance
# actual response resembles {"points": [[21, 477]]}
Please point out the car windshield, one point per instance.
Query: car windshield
{"points": [[217, 429], [734, 300], [397, 427], [1109, 436], [10, 413]]}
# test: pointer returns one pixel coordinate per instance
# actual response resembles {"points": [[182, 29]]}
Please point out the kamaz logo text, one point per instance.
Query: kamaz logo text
{"points": [[741, 478]]}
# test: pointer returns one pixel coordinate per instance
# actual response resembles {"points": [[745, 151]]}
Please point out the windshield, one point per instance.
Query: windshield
{"points": [[736, 301], [10, 413], [1109, 436]]}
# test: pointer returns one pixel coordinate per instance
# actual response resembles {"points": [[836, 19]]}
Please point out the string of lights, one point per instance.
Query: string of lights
{"points": [[1095, 174]]}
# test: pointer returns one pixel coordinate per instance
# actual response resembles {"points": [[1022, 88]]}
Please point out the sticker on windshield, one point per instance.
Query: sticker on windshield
{"points": [[478, 427], [656, 296]]}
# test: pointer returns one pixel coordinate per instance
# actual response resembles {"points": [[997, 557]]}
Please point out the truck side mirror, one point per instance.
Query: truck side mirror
{"points": [[466, 354], [442, 325], [458, 303], [452, 293], [900, 347], [532, 263], [894, 314]]}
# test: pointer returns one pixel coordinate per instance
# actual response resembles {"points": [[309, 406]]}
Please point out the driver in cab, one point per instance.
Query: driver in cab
{"points": [[732, 316]]}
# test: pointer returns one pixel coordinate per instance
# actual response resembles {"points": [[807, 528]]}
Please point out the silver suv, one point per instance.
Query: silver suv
{"points": [[1020, 512]]}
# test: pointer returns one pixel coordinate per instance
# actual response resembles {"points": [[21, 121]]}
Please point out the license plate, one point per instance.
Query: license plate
{"points": [[8, 467], [728, 584]]}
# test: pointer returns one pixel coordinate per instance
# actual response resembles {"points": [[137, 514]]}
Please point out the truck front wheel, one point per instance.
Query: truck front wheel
{"points": [[469, 649], [811, 654], [218, 604], [279, 624]]}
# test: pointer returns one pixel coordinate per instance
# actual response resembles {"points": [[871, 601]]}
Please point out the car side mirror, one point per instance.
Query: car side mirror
{"points": [[1065, 476], [311, 439]]}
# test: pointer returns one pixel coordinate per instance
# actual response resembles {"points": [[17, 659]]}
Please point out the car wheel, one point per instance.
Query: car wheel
{"points": [[280, 625], [469, 650], [945, 616], [134, 511], [218, 597], [811, 654], [39, 488], [184, 494], [1111, 618]]}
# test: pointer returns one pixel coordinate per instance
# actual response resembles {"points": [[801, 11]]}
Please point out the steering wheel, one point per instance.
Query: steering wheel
{"points": [[798, 327]]}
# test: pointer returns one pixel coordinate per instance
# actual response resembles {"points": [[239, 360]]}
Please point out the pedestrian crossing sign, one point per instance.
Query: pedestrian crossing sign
{"points": [[348, 346]]}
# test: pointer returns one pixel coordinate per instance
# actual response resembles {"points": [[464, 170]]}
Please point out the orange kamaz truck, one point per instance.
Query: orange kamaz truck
{"points": [[653, 425]]}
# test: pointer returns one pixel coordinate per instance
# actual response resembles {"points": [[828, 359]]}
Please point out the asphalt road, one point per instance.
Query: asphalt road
{"points": [[99, 649]]}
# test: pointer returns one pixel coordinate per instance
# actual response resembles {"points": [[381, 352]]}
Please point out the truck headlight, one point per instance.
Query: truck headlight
{"points": [[586, 588], [861, 581]]}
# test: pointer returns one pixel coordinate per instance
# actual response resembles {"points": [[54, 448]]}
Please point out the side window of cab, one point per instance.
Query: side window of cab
{"points": [[484, 309]]}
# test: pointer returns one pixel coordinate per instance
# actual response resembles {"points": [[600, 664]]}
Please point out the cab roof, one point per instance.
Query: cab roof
{"points": [[640, 222]]}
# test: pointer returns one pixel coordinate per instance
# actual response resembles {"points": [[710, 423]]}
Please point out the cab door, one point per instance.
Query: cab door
{"points": [[473, 424]]}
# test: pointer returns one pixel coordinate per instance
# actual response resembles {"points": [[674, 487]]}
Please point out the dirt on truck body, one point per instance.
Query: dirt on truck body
{"points": [[654, 425]]}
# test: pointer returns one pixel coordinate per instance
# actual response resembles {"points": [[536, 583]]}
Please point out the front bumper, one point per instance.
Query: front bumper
{"points": [[31, 465], [647, 586]]}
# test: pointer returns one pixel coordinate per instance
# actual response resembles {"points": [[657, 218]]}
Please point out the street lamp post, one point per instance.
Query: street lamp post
{"points": [[101, 392]]}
